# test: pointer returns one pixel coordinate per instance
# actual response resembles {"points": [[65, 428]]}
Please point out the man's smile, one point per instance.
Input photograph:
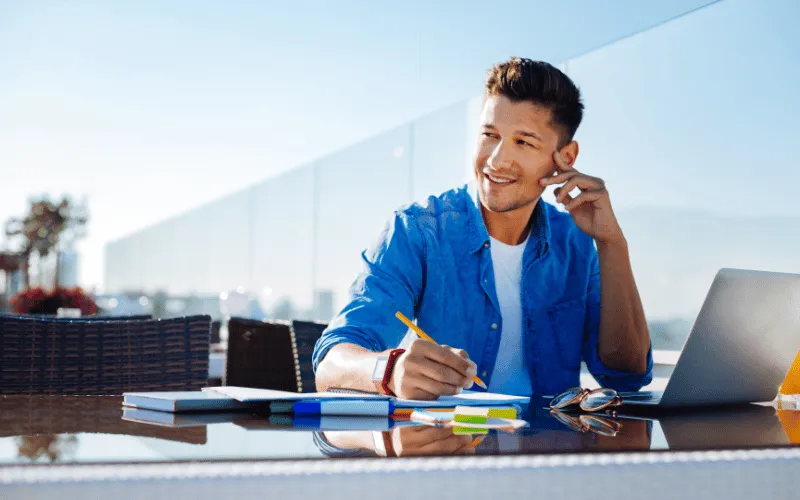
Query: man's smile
{"points": [[497, 179]]}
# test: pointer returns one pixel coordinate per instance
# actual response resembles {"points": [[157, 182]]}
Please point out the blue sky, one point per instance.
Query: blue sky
{"points": [[150, 108]]}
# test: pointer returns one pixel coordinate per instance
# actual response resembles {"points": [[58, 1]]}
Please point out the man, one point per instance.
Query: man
{"points": [[520, 290]]}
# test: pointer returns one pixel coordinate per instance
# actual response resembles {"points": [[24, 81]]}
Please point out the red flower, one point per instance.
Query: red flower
{"points": [[39, 301]]}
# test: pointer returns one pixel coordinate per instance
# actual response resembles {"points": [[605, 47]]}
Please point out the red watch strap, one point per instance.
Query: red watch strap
{"points": [[387, 374]]}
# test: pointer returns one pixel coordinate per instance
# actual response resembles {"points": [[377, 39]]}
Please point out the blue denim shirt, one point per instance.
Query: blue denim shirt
{"points": [[432, 262]]}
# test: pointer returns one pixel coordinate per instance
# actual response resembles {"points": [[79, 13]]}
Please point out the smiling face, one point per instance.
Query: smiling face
{"points": [[514, 151]]}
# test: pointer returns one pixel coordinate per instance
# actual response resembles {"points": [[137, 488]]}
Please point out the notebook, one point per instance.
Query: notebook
{"points": [[180, 401], [167, 419], [466, 398], [235, 398], [251, 395], [342, 423], [342, 407], [305, 423]]}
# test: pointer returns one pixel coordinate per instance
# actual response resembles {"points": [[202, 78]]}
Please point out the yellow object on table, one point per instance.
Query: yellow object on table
{"points": [[480, 415], [791, 384], [468, 430], [790, 421]]}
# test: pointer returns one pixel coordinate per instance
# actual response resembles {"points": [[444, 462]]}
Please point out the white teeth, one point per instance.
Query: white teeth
{"points": [[499, 181]]}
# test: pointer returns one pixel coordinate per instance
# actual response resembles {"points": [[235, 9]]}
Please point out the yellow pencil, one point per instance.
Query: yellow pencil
{"points": [[477, 440], [402, 317]]}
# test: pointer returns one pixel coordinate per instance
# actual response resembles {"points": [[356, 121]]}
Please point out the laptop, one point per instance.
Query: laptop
{"points": [[741, 346]]}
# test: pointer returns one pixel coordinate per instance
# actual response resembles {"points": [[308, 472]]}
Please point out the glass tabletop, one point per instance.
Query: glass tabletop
{"points": [[91, 429]]}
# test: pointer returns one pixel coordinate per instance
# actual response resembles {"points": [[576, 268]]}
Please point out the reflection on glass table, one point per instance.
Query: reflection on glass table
{"points": [[588, 423], [403, 441], [742, 427], [78, 430], [46, 447], [747, 426], [603, 432]]}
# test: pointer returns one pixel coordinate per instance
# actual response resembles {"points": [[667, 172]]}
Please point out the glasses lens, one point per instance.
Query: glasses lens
{"points": [[602, 426], [571, 422], [565, 397], [597, 400]]}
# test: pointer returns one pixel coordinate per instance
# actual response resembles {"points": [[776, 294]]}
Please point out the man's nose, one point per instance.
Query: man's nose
{"points": [[500, 157]]}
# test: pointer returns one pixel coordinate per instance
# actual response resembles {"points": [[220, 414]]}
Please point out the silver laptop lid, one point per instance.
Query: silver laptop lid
{"points": [[743, 342]]}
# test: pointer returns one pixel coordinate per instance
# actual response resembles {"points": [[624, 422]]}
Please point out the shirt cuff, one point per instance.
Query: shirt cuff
{"points": [[619, 380]]}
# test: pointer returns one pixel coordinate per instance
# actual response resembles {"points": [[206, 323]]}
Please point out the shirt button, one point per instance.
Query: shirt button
{"points": [[486, 245], [484, 374], [494, 326]]}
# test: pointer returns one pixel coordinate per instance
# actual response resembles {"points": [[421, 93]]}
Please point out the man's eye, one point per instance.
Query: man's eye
{"points": [[487, 134], [523, 143]]}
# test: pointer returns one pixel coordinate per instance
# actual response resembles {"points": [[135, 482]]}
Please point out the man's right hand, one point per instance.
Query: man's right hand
{"points": [[425, 440], [427, 371]]}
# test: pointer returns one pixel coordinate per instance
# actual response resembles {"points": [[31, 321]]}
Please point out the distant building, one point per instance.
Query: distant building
{"points": [[323, 305], [67, 268]]}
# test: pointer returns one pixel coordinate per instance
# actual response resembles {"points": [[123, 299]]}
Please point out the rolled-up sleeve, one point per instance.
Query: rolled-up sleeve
{"points": [[390, 281], [606, 377]]}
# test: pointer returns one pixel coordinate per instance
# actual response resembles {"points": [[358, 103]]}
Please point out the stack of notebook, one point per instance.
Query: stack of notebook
{"points": [[231, 398]]}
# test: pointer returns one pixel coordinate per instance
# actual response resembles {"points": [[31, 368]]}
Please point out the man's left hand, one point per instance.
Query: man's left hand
{"points": [[591, 209]]}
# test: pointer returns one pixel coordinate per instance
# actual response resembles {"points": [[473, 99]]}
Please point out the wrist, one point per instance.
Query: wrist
{"points": [[383, 443], [383, 371], [390, 384], [615, 244]]}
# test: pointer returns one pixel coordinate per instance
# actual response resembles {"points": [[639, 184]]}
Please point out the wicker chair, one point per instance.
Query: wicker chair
{"points": [[215, 326], [261, 354], [53, 415], [306, 334], [135, 317], [45, 355]]}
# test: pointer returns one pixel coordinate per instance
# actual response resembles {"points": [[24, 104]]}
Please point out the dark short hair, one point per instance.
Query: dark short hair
{"points": [[521, 79]]}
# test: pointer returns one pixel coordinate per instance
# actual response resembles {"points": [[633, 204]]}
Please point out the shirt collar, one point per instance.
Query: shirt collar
{"points": [[539, 237]]}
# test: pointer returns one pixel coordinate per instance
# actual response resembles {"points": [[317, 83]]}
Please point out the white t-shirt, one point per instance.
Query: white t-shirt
{"points": [[510, 375]]}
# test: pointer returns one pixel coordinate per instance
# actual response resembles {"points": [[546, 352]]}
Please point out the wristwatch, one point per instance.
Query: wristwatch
{"points": [[383, 443], [382, 373]]}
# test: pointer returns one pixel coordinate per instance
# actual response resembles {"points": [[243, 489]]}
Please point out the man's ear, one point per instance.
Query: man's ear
{"points": [[569, 153]]}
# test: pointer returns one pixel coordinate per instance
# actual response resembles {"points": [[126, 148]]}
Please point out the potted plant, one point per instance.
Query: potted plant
{"points": [[48, 227]]}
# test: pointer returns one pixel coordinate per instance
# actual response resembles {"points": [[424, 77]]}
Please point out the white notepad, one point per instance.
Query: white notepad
{"points": [[466, 398], [250, 395]]}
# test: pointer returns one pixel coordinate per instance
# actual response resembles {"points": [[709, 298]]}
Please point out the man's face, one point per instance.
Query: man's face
{"points": [[514, 151]]}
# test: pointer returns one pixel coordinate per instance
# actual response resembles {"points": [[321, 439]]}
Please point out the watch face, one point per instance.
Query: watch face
{"points": [[380, 368], [380, 444]]}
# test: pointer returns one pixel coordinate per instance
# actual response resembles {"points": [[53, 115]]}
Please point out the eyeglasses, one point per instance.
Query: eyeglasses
{"points": [[588, 423], [587, 400]]}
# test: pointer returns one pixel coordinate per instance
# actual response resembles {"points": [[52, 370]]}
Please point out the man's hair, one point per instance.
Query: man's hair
{"points": [[522, 79]]}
